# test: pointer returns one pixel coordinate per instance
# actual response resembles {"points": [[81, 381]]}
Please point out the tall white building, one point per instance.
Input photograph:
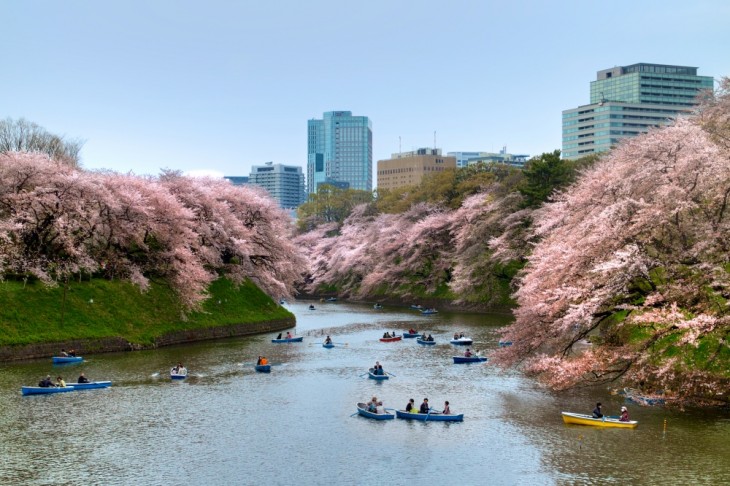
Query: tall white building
{"points": [[285, 183]]}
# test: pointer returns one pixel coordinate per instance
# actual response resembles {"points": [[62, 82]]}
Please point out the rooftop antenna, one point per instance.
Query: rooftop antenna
{"points": [[434, 139], [400, 150]]}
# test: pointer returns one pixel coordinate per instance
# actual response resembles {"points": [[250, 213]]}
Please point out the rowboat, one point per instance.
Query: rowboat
{"points": [[179, 375], [90, 385], [416, 306], [421, 341], [504, 344], [390, 339], [373, 376], [263, 368], [409, 335], [462, 341], [377, 307], [40, 390], [470, 359], [298, 339], [328, 345], [433, 416], [332, 299], [428, 312], [66, 359], [581, 419], [362, 409]]}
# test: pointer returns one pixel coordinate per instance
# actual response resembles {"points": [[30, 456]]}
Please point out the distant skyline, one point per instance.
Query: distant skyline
{"points": [[220, 86]]}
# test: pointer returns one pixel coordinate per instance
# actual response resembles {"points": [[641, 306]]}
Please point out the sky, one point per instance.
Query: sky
{"points": [[218, 86]]}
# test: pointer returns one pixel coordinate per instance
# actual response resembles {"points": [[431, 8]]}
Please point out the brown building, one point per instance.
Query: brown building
{"points": [[408, 168]]}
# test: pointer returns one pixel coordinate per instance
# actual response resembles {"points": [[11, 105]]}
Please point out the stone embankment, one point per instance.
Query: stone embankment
{"points": [[116, 344]]}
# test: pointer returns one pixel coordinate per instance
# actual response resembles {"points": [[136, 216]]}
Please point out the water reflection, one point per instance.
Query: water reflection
{"points": [[227, 424]]}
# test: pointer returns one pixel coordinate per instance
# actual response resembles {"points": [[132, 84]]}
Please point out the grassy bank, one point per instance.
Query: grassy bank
{"points": [[33, 313]]}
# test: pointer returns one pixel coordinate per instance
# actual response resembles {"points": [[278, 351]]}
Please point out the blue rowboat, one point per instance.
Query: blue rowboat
{"points": [[40, 390], [470, 359], [373, 376], [421, 341], [429, 417], [362, 409], [66, 359], [289, 340], [428, 312], [263, 368], [90, 385], [328, 345], [416, 306], [409, 335], [504, 344], [180, 375], [465, 341]]}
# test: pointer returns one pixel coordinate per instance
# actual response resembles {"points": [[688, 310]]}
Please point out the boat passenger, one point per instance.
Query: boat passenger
{"points": [[311, 307], [64, 353], [72, 353], [411, 406], [279, 336], [411, 331], [288, 335], [430, 338], [447, 410], [597, 413], [386, 335], [264, 361], [624, 415], [380, 408], [373, 405], [456, 335], [46, 382], [60, 383], [328, 340], [424, 406], [258, 362], [468, 353], [82, 378], [461, 335]]}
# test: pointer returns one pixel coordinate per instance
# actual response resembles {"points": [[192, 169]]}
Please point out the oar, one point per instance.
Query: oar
{"points": [[354, 414], [391, 374], [364, 374], [428, 414]]}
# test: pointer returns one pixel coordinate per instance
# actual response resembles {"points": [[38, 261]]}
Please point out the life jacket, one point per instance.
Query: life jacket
{"points": [[264, 361]]}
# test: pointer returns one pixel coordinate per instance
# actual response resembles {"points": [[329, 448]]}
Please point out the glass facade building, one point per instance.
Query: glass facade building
{"points": [[627, 101], [340, 149], [285, 183]]}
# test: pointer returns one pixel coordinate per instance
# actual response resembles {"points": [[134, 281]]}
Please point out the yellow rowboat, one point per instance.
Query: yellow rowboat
{"points": [[581, 419]]}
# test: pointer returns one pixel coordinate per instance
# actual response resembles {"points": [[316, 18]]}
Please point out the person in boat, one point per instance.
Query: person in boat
{"points": [[72, 353], [60, 383], [82, 378], [263, 361], [279, 336], [624, 415], [411, 331], [46, 382], [468, 353], [447, 410], [456, 335], [386, 335], [380, 408], [411, 407], [64, 353], [430, 338], [328, 340], [311, 307], [597, 413], [424, 406], [373, 405], [288, 335], [461, 335], [258, 362]]}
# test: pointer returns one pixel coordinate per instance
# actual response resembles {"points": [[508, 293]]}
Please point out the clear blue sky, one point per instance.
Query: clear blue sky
{"points": [[223, 85]]}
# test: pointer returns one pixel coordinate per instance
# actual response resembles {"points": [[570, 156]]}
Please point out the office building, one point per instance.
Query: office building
{"points": [[285, 183], [340, 150], [464, 159], [409, 168], [626, 101]]}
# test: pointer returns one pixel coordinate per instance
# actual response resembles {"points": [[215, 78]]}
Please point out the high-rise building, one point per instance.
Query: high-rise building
{"points": [[626, 101], [285, 183], [409, 168], [340, 150]]}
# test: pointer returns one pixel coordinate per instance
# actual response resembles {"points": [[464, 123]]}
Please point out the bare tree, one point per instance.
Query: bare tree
{"points": [[24, 136]]}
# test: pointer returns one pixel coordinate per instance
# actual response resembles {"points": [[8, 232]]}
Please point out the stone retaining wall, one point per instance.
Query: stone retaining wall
{"points": [[115, 344]]}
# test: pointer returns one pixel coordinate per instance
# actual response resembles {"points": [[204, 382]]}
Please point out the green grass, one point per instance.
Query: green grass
{"points": [[99, 308]]}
